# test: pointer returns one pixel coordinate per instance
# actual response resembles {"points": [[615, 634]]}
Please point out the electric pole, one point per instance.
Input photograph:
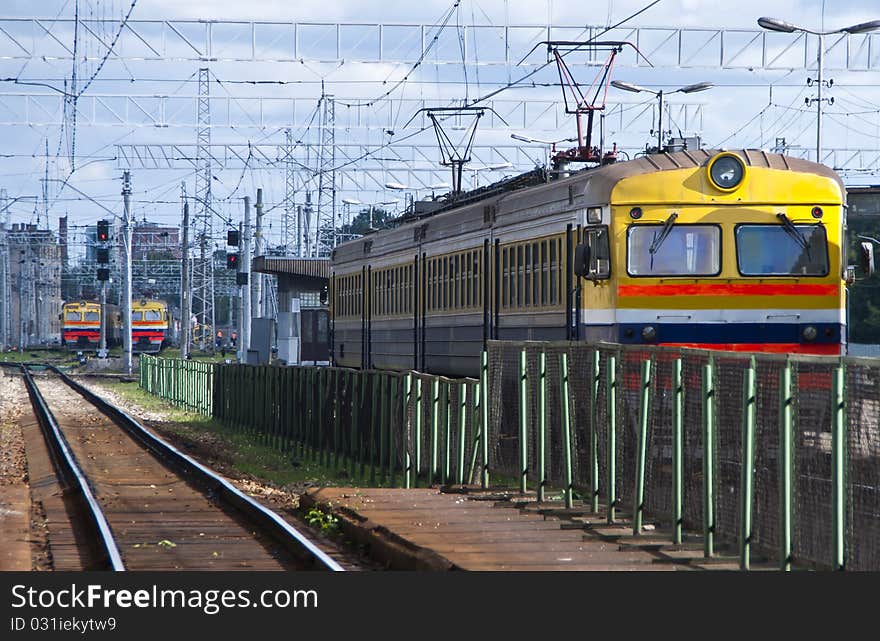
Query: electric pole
{"points": [[126, 296], [257, 285], [244, 334], [185, 294]]}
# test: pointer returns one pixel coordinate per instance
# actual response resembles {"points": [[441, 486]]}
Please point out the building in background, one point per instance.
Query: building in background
{"points": [[30, 297]]}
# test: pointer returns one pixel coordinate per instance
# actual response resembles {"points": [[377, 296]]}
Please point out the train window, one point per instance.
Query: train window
{"points": [[774, 250], [91, 316], [537, 274], [152, 315], [553, 270], [72, 316], [520, 277], [137, 316], [545, 285], [445, 287], [679, 250], [453, 281], [467, 262]]}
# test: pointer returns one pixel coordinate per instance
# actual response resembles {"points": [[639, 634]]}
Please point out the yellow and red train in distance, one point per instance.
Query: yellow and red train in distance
{"points": [[81, 325], [82, 320], [149, 325], [729, 250]]}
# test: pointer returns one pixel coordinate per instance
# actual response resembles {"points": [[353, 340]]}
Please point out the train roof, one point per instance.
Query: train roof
{"points": [[472, 211]]}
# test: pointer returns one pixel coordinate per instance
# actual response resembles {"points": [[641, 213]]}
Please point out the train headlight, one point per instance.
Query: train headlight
{"points": [[727, 171], [809, 333], [594, 215], [649, 333]]}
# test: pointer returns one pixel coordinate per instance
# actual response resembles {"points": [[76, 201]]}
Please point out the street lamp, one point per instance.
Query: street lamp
{"points": [[626, 86], [772, 24]]}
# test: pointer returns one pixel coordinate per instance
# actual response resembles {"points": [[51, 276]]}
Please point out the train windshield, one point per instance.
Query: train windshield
{"points": [[777, 250], [152, 315], [136, 316], [91, 316], [686, 250], [72, 316]]}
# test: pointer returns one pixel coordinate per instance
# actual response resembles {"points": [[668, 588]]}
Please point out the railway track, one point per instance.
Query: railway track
{"points": [[143, 504]]}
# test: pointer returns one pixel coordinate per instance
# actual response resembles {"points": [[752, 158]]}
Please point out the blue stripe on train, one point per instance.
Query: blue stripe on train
{"points": [[728, 333]]}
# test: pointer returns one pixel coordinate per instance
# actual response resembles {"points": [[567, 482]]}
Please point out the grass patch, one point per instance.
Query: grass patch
{"points": [[174, 352], [244, 452], [38, 355]]}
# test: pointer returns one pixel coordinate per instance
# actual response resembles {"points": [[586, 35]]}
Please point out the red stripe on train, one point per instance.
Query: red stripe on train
{"points": [[729, 289], [819, 349]]}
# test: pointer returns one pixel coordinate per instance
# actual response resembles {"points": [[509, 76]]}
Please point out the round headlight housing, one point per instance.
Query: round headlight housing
{"points": [[727, 171]]}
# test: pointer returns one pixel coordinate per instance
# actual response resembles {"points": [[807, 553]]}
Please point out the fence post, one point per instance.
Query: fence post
{"points": [[677, 452], [435, 417], [407, 457], [353, 444], [708, 389], [748, 466], [337, 415], [385, 429], [594, 432], [611, 466], [462, 425], [417, 440], [786, 402], [393, 410], [523, 422], [542, 424], [566, 429], [641, 448], [838, 449], [375, 417], [483, 396], [447, 449]]}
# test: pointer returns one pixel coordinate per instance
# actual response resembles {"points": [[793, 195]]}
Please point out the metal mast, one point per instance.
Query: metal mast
{"points": [[185, 282], [5, 288], [325, 230], [203, 263], [290, 219]]}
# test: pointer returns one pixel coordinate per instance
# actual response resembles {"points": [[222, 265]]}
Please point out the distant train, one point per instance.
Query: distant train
{"points": [[81, 325], [150, 322], [732, 250]]}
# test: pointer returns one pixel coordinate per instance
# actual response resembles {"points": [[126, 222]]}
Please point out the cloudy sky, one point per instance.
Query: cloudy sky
{"points": [[254, 101]]}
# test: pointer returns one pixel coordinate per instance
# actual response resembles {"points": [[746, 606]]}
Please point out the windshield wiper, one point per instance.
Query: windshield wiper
{"points": [[667, 227], [792, 231]]}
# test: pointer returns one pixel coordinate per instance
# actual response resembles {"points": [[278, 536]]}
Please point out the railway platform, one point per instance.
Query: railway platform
{"points": [[462, 528]]}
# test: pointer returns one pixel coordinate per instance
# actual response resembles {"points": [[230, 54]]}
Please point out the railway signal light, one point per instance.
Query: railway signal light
{"points": [[103, 255], [103, 274], [232, 261], [232, 237], [103, 230]]}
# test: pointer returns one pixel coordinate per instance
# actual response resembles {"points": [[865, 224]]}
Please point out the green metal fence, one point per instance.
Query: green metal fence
{"points": [[764, 454], [382, 427], [187, 384]]}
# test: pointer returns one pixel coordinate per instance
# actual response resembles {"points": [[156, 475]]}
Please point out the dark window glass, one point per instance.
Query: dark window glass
{"points": [[687, 250], [771, 250]]}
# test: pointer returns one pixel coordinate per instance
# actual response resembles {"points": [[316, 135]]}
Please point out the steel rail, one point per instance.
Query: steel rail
{"points": [[67, 460], [292, 539]]}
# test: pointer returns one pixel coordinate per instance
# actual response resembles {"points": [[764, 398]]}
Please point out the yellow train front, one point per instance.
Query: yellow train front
{"points": [[720, 250], [733, 251], [149, 325], [81, 325]]}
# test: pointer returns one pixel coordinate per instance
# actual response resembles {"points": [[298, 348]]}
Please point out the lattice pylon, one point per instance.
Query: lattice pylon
{"points": [[325, 230], [203, 261], [290, 237]]}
